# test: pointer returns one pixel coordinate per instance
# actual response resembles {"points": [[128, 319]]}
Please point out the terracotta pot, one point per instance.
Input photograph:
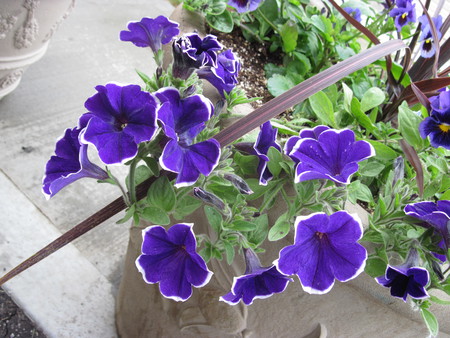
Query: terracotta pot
{"points": [[26, 27], [359, 308]]}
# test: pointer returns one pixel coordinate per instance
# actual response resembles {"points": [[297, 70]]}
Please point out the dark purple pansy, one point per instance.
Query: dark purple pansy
{"points": [[406, 279], [183, 120], [427, 47], [325, 248], [436, 215], [257, 282], [123, 117], [334, 155], [437, 125], [403, 13], [191, 52], [266, 138], [304, 133], [224, 76], [150, 32], [169, 258], [354, 12], [70, 162], [243, 6]]}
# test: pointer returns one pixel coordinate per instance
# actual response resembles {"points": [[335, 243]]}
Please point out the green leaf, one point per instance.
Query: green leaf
{"points": [[370, 168], [214, 218], [216, 7], [430, 321], [360, 116], [229, 251], [260, 233], [140, 175], [323, 108], [152, 164], [275, 158], [161, 194], [186, 206], [348, 96], [155, 216], [222, 22], [372, 98], [289, 35], [280, 229], [128, 214], [408, 124], [375, 267], [383, 152], [243, 226], [278, 84], [247, 163], [439, 301], [301, 63], [358, 191]]}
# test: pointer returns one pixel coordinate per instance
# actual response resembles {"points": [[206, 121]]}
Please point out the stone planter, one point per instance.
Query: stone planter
{"points": [[359, 308], [26, 27]]}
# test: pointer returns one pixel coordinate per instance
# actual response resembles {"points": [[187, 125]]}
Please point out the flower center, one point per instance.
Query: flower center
{"points": [[444, 127], [428, 41], [320, 234], [404, 15]]}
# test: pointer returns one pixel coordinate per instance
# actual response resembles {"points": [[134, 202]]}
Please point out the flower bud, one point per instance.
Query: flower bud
{"points": [[209, 198], [239, 183], [399, 169]]}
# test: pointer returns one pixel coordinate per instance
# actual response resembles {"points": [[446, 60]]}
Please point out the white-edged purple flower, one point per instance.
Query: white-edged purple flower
{"points": [[325, 248], [123, 117], [436, 215], [183, 120], [170, 259], [266, 138], [427, 46], [304, 133], [150, 32], [224, 76], [406, 279], [334, 155], [354, 12], [437, 125], [257, 282], [70, 162], [191, 52], [403, 13], [243, 6]]}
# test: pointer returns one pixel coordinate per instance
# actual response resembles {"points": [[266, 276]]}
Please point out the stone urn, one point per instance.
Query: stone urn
{"points": [[359, 308], [26, 27]]}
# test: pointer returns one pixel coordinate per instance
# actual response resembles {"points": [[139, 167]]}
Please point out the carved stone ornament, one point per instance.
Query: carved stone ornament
{"points": [[26, 27]]}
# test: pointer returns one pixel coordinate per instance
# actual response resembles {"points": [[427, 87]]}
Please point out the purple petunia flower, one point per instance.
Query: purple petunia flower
{"points": [[191, 52], [334, 155], [169, 258], [122, 118], [183, 120], [325, 248], [257, 282], [354, 12], [71, 161], [304, 133], [427, 47], [437, 125], [436, 215], [266, 138], [243, 6], [406, 279], [150, 32], [403, 13], [224, 76]]}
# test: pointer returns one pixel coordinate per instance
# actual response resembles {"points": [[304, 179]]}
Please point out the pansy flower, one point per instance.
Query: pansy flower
{"points": [[427, 47], [243, 6], [406, 279], [224, 76], [437, 125], [191, 52], [333, 155], [257, 282], [122, 118], [326, 248], [169, 258], [183, 120], [150, 32], [70, 162], [436, 215], [354, 12], [403, 13]]}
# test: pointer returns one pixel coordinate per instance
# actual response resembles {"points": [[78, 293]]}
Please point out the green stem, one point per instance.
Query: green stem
{"points": [[268, 22], [122, 189]]}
